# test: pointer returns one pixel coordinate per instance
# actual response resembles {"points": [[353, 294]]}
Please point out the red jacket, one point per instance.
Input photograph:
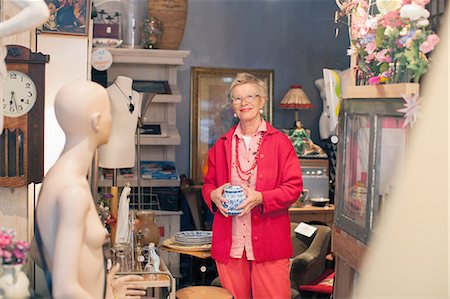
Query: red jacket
{"points": [[280, 182]]}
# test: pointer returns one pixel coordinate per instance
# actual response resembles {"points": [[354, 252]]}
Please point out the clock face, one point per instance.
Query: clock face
{"points": [[19, 94]]}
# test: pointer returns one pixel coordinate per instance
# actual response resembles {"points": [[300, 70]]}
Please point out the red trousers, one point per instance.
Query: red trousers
{"points": [[258, 280]]}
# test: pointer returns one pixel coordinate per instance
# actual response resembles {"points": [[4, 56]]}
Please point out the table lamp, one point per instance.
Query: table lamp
{"points": [[296, 99]]}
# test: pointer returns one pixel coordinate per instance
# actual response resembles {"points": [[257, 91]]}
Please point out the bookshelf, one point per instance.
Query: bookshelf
{"points": [[152, 65]]}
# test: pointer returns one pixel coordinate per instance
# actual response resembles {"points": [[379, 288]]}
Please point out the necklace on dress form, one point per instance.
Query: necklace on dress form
{"points": [[129, 98]]}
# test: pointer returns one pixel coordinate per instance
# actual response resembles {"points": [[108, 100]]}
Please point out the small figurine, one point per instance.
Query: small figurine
{"points": [[302, 142]]}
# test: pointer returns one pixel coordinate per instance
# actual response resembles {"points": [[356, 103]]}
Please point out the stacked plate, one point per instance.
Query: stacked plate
{"points": [[193, 237]]}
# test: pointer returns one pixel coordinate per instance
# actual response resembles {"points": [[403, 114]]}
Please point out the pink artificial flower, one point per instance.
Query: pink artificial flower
{"points": [[358, 21], [5, 240], [371, 47], [421, 2], [433, 39], [7, 254], [392, 19], [22, 245], [404, 2], [19, 254], [370, 57], [374, 80], [382, 56], [426, 47]]}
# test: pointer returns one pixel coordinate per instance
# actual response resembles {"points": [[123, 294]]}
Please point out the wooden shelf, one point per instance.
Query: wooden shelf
{"points": [[147, 56], [381, 91], [122, 182], [173, 138]]}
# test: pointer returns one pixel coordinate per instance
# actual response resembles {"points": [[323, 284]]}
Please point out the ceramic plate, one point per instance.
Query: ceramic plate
{"points": [[106, 42], [172, 244], [193, 237]]}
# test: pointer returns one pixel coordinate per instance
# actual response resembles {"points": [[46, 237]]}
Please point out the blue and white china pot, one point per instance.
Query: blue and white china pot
{"points": [[234, 195]]}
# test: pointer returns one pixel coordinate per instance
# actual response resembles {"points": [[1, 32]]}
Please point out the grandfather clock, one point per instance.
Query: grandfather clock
{"points": [[22, 139]]}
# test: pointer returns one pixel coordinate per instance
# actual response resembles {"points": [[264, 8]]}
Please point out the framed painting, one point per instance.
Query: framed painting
{"points": [[68, 17], [211, 111]]}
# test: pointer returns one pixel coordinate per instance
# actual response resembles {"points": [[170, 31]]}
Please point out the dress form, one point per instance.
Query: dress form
{"points": [[119, 152], [32, 14], [70, 228]]}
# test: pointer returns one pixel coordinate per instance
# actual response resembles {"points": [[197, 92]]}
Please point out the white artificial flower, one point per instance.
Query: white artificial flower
{"points": [[413, 12], [372, 22], [385, 6], [422, 23], [389, 31], [351, 51]]}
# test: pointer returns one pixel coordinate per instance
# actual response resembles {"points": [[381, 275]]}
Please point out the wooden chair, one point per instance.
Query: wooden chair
{"points": [[203, 292]]}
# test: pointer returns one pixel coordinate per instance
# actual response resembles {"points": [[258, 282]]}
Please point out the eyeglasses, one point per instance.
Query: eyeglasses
{"points": [[250, 98]]}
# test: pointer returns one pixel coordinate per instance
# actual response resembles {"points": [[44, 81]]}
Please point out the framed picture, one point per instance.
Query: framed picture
{"points": [[68, 17], [211, 111]]}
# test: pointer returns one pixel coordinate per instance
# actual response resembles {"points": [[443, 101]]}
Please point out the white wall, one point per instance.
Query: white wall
{"points": [[68, 62], [409, 257]]}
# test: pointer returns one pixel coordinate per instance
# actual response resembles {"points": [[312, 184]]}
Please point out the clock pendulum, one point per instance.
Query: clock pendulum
{"points": [[129, 99], [22, 140]]}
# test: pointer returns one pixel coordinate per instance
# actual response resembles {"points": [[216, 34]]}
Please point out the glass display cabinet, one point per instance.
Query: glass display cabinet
{"points": [[371, 148], [372, 145]]}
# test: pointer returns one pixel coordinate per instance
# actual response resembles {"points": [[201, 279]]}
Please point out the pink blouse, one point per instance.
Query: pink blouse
{"points": [[242, 225]]}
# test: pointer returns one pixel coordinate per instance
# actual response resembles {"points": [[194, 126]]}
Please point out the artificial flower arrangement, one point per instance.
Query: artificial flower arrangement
{"points": [[104, 210], [12, 252], [390, 39]]}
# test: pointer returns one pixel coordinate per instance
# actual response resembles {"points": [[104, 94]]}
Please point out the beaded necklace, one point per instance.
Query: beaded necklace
{"points": [[129, 99], [240, 172]]}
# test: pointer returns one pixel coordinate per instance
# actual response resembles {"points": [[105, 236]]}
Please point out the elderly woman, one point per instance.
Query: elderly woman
{"points": [[252, 250]]}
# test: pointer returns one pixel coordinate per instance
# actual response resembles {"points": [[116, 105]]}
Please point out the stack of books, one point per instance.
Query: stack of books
{"points": [[159, 170]]}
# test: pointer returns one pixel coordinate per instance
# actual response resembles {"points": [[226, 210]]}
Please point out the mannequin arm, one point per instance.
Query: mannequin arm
{"points": [[33, 14], [73, 206]]}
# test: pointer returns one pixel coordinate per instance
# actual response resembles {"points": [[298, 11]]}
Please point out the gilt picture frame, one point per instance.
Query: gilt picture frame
{"points": [[68, 17], [211, 112]]}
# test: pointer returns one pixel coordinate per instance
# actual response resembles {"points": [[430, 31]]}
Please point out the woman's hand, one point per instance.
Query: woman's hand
{"points": [[122, 289], [253, 199], [217, 198]]}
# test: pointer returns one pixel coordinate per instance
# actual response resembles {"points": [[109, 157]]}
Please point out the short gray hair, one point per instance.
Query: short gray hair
{"points": [[246, 78]]}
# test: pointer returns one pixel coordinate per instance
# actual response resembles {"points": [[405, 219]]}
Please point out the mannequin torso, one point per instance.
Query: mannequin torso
{"points": [[119, 152], [69, 225]]}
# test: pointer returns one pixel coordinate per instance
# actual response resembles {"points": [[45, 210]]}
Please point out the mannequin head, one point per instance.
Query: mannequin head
{"points": [[83, 109]]}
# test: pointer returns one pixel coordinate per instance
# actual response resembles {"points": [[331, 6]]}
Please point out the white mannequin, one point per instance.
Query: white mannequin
{"points": [[119, 152], [33, 13], [328, 119], [71, 231]]}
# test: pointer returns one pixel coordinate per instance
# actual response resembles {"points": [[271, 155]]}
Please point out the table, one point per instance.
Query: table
{"points": [[308, 213], [202, 252], [164, 279]]}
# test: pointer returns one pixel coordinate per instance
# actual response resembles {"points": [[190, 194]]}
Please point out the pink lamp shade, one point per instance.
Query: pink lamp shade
{"points": [[295, 98]]}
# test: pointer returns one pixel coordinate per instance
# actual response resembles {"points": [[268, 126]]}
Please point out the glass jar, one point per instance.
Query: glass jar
{"points": [[147, 227], [152, 31]]}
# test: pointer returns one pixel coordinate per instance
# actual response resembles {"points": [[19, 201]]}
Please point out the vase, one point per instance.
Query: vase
{"points": [[14, 283], [148, 228], [172, 14], [234, 194]]}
